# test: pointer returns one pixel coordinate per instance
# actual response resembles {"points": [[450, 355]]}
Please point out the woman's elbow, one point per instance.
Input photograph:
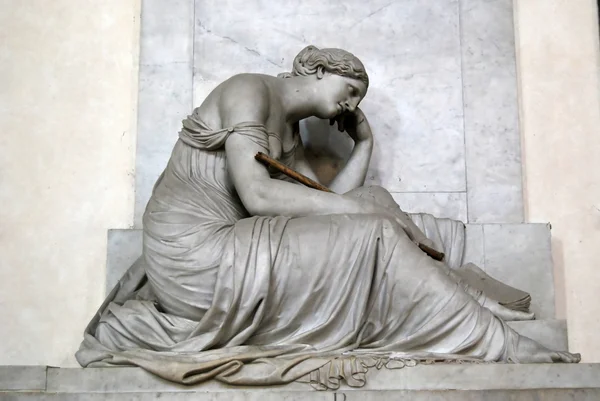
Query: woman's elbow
{"points": [[256, 201]]}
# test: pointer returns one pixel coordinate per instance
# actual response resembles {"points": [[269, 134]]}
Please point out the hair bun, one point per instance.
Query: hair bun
{"points": [[311, 59]]}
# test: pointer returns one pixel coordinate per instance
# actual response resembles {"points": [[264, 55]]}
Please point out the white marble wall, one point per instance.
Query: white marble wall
{"points": [[442, 99]]}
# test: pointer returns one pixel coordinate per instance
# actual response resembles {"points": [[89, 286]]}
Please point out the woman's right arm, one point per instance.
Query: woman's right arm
{"points": [[247, 100], [264, 196]]}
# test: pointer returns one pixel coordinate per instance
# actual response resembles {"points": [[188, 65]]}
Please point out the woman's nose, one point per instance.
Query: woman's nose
{"points": [[350, 106]]}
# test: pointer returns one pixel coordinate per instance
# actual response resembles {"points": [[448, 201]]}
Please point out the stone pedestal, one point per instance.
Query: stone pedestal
{"points": [[553, 382]]}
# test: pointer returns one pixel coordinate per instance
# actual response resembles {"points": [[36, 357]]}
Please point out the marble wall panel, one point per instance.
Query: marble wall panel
{"points": [[411, 50], [165, 89], [426, 58], [165, 99], [452, 205], [166, 31], [493, 151], [474, 245], [557, 394]]}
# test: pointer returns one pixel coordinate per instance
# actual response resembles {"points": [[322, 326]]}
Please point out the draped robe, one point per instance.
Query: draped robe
{"points": [[261, 300]]}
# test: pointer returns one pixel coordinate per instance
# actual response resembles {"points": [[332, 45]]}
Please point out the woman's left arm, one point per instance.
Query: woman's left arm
{"points": [[355, 171], [302, 166]]}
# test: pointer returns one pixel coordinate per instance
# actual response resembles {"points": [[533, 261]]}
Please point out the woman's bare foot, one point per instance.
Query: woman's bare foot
{"points": [[529, 351], [506, 314]]}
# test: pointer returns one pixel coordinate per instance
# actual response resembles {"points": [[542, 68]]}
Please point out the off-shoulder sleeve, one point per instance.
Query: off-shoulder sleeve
{"points": [[197, 134]]}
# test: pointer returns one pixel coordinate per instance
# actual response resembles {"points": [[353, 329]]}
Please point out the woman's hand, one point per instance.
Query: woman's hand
{"points": [[355, 124]]}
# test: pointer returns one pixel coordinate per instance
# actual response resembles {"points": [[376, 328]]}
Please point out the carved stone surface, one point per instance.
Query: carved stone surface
{"points": [[202, 286]]}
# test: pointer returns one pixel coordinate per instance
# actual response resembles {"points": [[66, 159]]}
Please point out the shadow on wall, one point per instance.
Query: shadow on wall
{"points": [[328, 150]]}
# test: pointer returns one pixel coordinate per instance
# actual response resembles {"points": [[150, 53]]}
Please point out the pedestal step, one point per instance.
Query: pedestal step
{"points": [[422, 382]]}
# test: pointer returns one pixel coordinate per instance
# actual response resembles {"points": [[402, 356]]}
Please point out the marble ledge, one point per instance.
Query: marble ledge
{"points": [[16, 378], [251, 395], [463, 377]]}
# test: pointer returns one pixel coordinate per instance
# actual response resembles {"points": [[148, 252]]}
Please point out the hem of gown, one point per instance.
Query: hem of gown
{"points": [[267, 365]]}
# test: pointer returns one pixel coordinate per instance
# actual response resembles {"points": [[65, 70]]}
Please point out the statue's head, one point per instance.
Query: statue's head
{"points": [[342, 78]]}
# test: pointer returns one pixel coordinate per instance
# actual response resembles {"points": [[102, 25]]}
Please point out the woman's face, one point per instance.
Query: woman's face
{"points": [[338, 94]]}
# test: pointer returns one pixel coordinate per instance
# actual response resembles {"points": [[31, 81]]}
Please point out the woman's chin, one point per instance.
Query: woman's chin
{"points": [[334, 114], [327, 115]]}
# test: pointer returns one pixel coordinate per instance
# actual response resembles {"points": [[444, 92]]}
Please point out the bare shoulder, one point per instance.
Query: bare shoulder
{"points": [[244, 97]]}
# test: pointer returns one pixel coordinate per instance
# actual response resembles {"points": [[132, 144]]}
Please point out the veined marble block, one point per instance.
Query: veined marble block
{"points": [[491, 113], [424, 59], [411, 50], [166, 31], [165, 98], [165, 89]]}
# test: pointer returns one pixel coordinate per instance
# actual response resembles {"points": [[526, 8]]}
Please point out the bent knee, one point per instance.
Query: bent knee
{"points": [[376, 193], [378, 223]]}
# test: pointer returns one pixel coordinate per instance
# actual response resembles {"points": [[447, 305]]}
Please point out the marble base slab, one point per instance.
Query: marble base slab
{"points": [[454, 382], [445, 395], [437, 377]]}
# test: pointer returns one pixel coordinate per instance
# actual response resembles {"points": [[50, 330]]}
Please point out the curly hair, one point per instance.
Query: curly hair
{"points": [[334, 61]]}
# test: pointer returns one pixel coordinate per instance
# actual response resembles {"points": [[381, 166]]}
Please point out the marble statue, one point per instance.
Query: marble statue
{"points": [[249, 278]]}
